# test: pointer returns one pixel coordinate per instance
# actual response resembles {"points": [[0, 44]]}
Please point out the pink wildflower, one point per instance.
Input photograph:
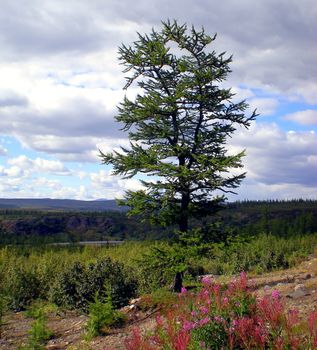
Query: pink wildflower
{"points": [[159, 321], [218, 319], [275, 294], [312, 326], [206, 280], [204, 310], [187, 325], [181, 340], [243, 280], [292, 318], [204, 321], [183, 290]]}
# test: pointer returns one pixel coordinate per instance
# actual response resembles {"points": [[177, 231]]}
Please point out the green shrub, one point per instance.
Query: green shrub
{"points": [[76, 287], [22, 288], [38, 334], [2, 309], [101, 316], [40, 307]]}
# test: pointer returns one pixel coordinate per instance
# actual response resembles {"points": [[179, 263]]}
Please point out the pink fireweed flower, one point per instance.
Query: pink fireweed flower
{"points": [[312, 326], [204, 321], [206, 280], [187, 325], [205, 293], [243, 280], [275, 294], [292, 318], [181, 340], [225, 301], [218, 319], [271, 310], [183, 290], [216, 289], [204, 310], [159, 321]]}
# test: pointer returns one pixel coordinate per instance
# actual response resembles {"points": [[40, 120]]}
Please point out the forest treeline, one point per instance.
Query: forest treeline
{"points": [[280, 218]]}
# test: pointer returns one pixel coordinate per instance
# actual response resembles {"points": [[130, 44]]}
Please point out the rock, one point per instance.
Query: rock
{"points": [[134, 301], [300, 287], [298, 294], [290, 278], [299, 291], [266, 287], [210, 276]]}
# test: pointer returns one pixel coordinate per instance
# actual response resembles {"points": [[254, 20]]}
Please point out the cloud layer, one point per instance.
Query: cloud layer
{"points": [[61, 82]]}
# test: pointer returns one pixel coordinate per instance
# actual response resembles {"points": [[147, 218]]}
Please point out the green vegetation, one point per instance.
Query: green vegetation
{"points": [[280, 218], [38, 334], [228, 317], [102, 315], [76, 286], [70, 276], [2, 310]]}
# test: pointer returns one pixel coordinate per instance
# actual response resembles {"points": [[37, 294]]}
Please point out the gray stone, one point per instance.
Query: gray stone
{"points": [[299, 291]]}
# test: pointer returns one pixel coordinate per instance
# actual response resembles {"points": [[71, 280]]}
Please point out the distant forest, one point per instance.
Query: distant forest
{"points": [[248, 218]]}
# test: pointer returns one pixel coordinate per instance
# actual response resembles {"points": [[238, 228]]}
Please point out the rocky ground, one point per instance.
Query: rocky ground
{"points": [[297, 286]]}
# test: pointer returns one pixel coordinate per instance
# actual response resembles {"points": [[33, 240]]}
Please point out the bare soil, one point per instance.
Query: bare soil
{"points": [[69, 327]]}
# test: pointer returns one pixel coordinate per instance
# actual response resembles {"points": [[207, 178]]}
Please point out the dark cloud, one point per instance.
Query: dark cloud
{"points": [[76, 118], [31, 29], [272, 41]]}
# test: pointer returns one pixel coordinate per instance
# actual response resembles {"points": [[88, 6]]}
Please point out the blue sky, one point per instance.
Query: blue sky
{"points": [[61, 82]]}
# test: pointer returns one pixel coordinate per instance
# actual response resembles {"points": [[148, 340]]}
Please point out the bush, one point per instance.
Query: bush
{"points": [[38, 334], [102, 315], [22, 288], [76, 287], [2, 309]]}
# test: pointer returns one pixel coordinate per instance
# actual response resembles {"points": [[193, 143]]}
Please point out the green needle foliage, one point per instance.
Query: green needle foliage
{"points": [[178, 126], [39, 334], [102, 315]]}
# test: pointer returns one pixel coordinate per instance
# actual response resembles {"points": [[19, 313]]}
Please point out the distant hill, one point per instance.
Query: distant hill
{"points": [[59, 204], [56, 220]]}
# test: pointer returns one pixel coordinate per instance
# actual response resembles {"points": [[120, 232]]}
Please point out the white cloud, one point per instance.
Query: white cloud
{"points": [[39, 165], [264, 106], [307, 117], [276, 157], [60, 85]]}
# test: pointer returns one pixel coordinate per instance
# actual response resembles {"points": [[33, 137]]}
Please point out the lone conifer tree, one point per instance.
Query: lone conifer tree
{"points": [[178, 126]]}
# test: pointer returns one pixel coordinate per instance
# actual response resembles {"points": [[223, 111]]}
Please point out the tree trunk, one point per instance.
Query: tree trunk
{"points": [[183, 220], [178, 282], [183, 227]]}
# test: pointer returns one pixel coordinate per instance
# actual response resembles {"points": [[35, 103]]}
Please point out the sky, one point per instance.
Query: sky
{"points": [[61, 82]]}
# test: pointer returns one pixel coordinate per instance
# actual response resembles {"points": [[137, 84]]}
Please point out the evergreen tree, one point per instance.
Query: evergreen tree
{"points": [[178, 126]]}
